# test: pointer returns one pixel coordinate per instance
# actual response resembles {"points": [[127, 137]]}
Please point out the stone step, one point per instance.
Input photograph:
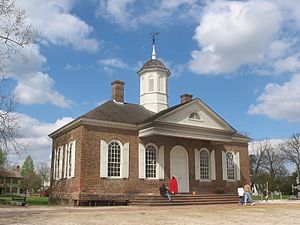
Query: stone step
{"points": [[155, 200]]}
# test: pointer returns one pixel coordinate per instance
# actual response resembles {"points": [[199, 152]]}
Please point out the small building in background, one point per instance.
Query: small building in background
{"points": [[10, 182]]}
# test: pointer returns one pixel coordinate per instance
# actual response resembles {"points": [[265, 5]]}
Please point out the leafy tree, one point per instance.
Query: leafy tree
{"points": [[31, 181], [27, 167]]}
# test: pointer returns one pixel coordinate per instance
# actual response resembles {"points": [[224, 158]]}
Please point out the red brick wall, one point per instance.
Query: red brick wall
{"points": [[87, 182]]}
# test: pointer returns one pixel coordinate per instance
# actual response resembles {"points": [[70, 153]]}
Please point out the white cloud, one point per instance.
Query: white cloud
{"points": [[281, 102], [233, 33], [35, 136], [110, 64], [33, 86], [254, 145], [58, 25], [290, 64], [113, 62], [132, 13]]}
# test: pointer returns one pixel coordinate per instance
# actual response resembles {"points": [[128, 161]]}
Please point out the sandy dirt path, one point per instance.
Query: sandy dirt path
{"points": [[272, 214]]}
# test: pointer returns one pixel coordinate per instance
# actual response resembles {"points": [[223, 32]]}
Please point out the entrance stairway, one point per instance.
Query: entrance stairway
{"points": [[185, 199]]}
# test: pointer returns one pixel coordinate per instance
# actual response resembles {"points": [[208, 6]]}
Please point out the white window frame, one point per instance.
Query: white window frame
{"points": [[208, 162], [198, 116], [71, 154], [156, 161], [58, 163], [121, 159], [234, 166]]}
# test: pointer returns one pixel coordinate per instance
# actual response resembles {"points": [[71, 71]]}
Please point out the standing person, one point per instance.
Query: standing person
{"points": [[241, 192], [248, 194], [173, 185], [163, 190]]}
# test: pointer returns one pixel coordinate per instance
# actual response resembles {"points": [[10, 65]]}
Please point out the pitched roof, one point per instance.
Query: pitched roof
{"points": [[163, 112], [117, 112]]}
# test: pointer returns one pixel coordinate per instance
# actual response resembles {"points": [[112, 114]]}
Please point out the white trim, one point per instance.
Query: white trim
{"points": [[65, 161], [209, 166], [94, 122], [73, 158], [103, 158], [197, 164], [237, 166], [157, 163], [60, 149], [161, 162], [234, 166], [141, 161], [224, 165], [213, 165], [184, 131], [121, 158], [186, 169], [126, 160], [54, 165]]}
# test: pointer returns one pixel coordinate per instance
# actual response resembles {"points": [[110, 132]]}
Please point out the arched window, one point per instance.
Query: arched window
{"points": [[150, 161], [230, 166], [204, 165], [194, 116], [114, 159]]}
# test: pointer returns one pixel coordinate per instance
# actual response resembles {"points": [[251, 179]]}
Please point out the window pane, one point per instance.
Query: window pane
{"points": [[151, 84], [204, 165], [114, 159], [230, 166], [150, 162]]}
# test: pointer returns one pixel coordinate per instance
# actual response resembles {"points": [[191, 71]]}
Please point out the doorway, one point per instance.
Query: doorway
{"points": [[179, 167]]}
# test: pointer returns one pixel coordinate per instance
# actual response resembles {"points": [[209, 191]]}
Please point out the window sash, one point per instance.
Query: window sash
{"points": [[204, 166], [114, 160], [150, 162]]}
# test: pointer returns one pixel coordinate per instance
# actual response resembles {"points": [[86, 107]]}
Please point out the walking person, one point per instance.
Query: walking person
{"points": [[164, 192], [173, 185], [241, 192], [248, 195]]}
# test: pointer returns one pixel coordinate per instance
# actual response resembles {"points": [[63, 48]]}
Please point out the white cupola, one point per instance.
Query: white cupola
{"points": [[154, 83]]}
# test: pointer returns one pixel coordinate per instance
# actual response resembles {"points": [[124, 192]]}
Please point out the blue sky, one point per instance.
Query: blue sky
{"points": [[240, 57]]}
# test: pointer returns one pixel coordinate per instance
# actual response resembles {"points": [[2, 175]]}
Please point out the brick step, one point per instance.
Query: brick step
{"points": [[190, 197], [174, 203], [156, 200]]}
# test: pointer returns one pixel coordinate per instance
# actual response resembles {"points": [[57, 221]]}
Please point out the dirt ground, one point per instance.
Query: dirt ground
{"points": [[273, 214]]}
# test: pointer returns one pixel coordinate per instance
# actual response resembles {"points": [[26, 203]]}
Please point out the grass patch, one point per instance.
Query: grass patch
{"points": [[30, 200], [275, 197]]}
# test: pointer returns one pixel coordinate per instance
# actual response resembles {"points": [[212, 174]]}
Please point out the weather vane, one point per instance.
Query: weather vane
{"points": [[153, 36]]}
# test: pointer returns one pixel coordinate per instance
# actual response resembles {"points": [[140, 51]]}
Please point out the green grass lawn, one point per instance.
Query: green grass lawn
{"points": [[275, 197], [31, 200]]}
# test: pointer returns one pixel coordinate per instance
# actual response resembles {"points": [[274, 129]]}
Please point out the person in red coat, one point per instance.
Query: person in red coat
{"points": [[173, 186]]}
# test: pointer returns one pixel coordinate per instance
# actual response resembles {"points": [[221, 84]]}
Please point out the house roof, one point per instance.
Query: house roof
{"points": [[11, 174], [154, 64], [119, 112], [161, 113]]}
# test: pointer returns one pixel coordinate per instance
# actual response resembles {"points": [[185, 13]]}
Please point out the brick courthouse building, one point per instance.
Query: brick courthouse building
{"points": [[120, 149]]}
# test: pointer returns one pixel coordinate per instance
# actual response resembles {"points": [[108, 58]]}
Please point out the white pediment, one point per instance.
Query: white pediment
{"points": [[208, 118]]}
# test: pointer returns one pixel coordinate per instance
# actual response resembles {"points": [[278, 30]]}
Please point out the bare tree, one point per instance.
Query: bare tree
{"points": [[267, 165], [257, 155], [291, 152], [43, 171], [15, 34]]}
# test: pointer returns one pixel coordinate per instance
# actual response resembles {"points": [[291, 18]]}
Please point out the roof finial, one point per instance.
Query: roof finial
{"points": [[153, 44]]}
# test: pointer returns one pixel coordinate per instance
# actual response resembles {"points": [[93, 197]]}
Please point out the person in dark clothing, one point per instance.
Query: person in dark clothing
{"points": [[164, 192]]}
